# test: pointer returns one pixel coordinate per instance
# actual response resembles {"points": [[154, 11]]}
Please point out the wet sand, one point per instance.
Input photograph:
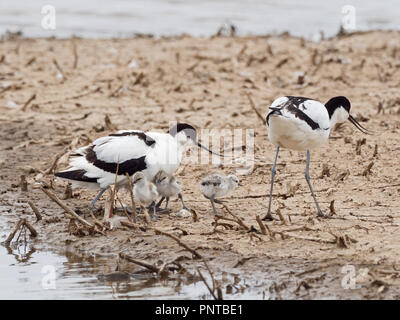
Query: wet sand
{"points": [[145, 83]]}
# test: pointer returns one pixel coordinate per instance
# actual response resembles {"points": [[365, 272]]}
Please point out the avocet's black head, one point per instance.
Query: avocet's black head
{"points": [[183, 130], [339, 111], [189, 131]]}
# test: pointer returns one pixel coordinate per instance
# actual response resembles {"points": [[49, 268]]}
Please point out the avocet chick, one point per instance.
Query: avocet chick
{"points": [[167, 186], [218, 186], [144, 191]]}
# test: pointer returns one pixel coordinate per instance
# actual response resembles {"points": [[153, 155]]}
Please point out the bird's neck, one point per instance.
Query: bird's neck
{"points": [[338, 115]]}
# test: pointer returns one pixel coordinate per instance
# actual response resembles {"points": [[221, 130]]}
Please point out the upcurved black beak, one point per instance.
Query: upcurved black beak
{"points": [[212, 152], [359, 126]]}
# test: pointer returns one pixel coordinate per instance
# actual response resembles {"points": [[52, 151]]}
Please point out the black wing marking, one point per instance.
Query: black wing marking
{"points": [[141, 135], [302, 116], [78, 175], [293, 105], [130, 166], [296, 101]]}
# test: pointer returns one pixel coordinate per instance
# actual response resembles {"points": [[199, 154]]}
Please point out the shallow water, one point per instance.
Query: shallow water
{"points": [[122, 18], [27, 273]]}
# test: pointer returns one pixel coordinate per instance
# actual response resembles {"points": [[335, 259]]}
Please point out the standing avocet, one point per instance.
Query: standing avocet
{"points": [[303, 124], [130, 151], [167, 186], [218, 186]]}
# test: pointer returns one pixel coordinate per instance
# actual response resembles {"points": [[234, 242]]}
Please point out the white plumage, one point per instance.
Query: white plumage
{"points": [[286, 129], [167, 186], [95, 166], [144, 190], [217, 186], [300, 123]]}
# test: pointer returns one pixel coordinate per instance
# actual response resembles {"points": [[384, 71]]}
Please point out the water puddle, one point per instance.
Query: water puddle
{"points": [[27, 273]]}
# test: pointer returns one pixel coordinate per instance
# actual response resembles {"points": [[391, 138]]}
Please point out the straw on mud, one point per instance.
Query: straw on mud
{"points": [[228, 219], [25, 106], [332, 208], [75, 52], [375, 151], [253, 106], [139, 262], [31, 229], [113, 191], [281, 63], [261, 225], [281, 217], [215, 287], [123, 208], [55, 161], [132, 197], [133, 225], [367, 170], [30, 61], [237, 219], [287, 235], [179, 241], [23, 183], [67, 192], [59, 69], [109, 124], [12, 234], [35, 210], [97, 221], [69, 213], [115, 93]]}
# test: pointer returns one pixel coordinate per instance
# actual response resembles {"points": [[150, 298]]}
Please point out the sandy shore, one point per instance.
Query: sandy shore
{"points": [[71, 85]]}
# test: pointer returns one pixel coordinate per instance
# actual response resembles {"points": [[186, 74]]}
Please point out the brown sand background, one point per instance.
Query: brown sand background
{"points": [[144, 83]]}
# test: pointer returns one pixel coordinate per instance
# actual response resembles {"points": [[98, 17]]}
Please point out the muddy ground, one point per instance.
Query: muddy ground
{"points": [[143, 83]]}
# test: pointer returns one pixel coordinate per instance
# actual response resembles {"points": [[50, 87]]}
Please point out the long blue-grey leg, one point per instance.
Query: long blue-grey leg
{"points": [[183, 203], [307, 175], [154, 217], [160, 202], [268, 216], [166, 204], [97, 197], [213, 205]]}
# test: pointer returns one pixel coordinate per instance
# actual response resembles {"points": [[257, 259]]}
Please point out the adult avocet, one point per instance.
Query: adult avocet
{"points": [[304, 124], [94, 166]]}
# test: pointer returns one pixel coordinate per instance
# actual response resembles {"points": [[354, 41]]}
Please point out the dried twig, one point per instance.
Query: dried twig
{"points": [[25, 106], [67, 192], [133, 225], [30, 228], [367, 170], [59, 70], [252, 105], [54, 165], [261, 225], [20, 223], [109, 124], [132, 198], [281, 217], [35, 211], [215, 291], [179, 241], [332, 208], [69, 213], [141, 263], [237, 219], [75, 52], [23, 183], [123, 208]]}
